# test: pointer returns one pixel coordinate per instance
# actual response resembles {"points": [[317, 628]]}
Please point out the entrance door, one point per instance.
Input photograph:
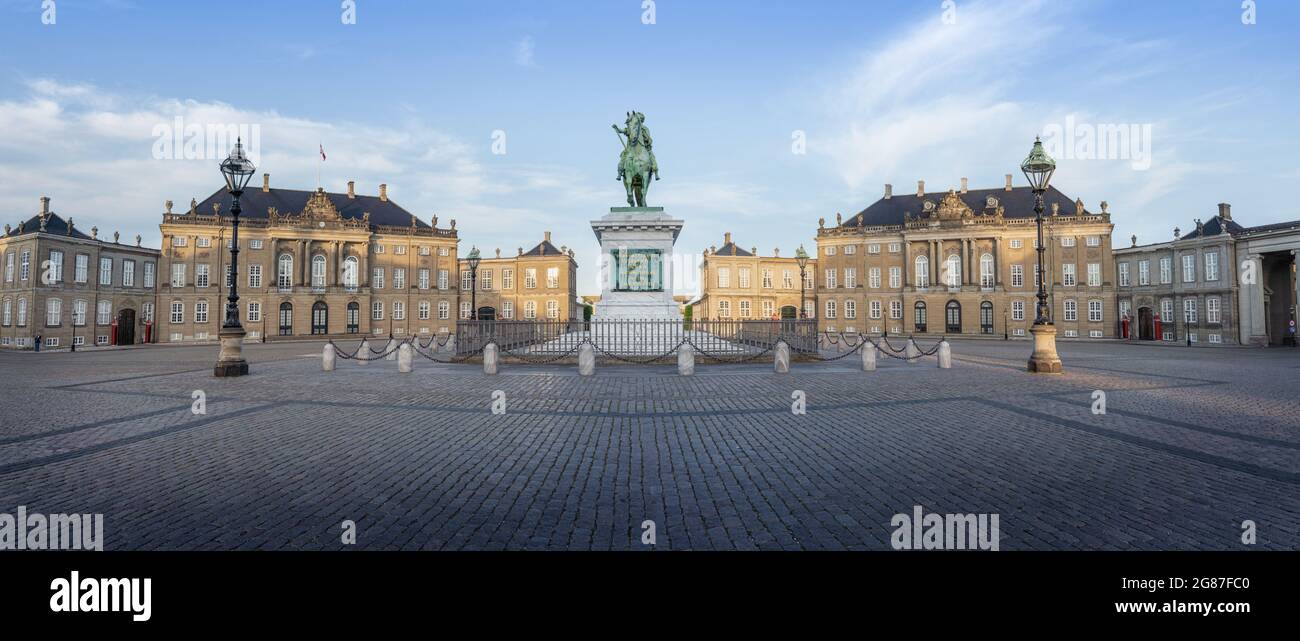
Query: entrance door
{"points": [[320, 314], [789, 312], [286, 319], [126, 327], [354, 318], [1146, 324], [953, 317], [986, 317], [487, 313]]}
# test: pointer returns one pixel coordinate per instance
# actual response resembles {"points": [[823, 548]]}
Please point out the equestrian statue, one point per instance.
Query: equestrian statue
{"points": [[637, 162]]}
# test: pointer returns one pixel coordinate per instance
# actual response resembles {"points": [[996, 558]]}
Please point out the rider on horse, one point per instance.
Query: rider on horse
{"points": [[635, 122]]}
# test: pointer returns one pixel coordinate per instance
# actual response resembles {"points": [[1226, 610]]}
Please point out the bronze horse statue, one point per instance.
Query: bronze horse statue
{"points": [[637, 163]]}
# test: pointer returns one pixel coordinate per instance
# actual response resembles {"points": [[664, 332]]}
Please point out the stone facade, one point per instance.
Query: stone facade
{"points": [[740, 284], [68, 288], [964, 262], [1182, 290], [541, 283], [310, 263]]}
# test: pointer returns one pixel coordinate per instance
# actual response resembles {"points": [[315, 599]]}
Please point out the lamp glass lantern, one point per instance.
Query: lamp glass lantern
{"points": [[237, 168], [1038, 167]]}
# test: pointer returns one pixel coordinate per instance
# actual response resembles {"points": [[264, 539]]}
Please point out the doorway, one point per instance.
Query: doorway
{"points": [[126, 327]]}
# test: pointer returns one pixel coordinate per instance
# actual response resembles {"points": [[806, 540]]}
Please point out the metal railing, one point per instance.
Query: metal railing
{"points": [[642, 341]]}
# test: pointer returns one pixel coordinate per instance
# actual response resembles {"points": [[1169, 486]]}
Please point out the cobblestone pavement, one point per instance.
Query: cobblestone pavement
{"points": [[1194, 442]]}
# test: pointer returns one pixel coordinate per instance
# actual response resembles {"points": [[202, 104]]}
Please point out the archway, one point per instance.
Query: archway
{"points": [[952, 317], [353, 318], [320, 315], [286, 319]]}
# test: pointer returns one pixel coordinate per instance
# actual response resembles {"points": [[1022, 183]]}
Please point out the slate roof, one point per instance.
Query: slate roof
{"points": [[544, 248], [1216, 226], [54, 225], [1018, 203], [254, 203], [730, 249], [1270, 227]]}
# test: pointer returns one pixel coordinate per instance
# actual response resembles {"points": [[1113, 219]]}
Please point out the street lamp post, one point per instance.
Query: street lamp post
{"points": [[1038, 168], [237, 170], [801, 257], [473, 283]]}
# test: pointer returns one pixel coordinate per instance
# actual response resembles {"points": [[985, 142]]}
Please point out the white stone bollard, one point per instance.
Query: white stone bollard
{"points": [[586, 359], [327, 357], [491, 359], [404, 358], [945, 355], [450, 347], [912, 352], [781, 362], [686, 360], [363, 352], [391, 349], [869, 357]]}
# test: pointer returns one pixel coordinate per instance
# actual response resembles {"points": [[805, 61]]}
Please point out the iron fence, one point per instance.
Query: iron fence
{"points": [[640, 341]]}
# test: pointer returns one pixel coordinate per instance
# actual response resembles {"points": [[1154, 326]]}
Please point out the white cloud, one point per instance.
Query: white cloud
{"points": [[524, 53]]}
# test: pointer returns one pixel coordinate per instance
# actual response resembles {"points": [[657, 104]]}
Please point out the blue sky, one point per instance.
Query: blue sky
{"points": [[884, 91]]}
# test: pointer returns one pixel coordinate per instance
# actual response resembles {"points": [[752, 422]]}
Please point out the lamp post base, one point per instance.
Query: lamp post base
{"points": [[1044, 360], [231, 361]]}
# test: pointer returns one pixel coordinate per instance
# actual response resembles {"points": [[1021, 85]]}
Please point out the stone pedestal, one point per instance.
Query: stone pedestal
{"points": [[781, 358], [945, 355], [686, 360], [868, 357], [327, 357], [404, 358], [586, 359], [1044, 360], [230, 362], [636, 247], [491, 357]]}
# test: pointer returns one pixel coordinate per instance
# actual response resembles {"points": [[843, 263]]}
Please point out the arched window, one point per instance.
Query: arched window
{"points": [[286, 318], [952, 317], [350, 272], [320, 314], [922, 274], [986, 317], [318, 271], [986, 271], [919, 317], [953, 269], [284, 275], [354, 318]]}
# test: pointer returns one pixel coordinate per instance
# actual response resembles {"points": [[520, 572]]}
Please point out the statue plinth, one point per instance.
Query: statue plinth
{"points": [[636, 263], [1044, 360]]}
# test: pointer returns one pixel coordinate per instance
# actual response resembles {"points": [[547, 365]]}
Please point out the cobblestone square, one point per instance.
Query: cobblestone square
{"points": [[1194, 442]]}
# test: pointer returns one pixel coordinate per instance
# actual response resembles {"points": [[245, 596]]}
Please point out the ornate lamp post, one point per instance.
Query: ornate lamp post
{"points": [[473, 283], [237, 170], [801, 257], [1038, 168]]}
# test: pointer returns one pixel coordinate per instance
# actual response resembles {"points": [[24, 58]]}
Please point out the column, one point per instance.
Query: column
{"points": [[907, 265], [1251, 315], [997, 261]]}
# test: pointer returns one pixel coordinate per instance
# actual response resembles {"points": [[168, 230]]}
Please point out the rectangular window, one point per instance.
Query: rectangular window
{"points": [[1017, 275], [1094, 311], [850, 277], [423, 277], [104, 313], [1017, 243], [1067, 241], [254, 312], [850, 309], [254, 276], [530, 278], [1189, 268], [1212, 266], [25, 265], [1067, 275], [178, 312], [1017, 310], [56, 266], [874, 307], [1123, 274], [830, 309], [507, 279], [769, 309], [830, 251], [1094, 274], [203, 242], [873, 278], [444, 310], [744, 278], [485, 279], [53, 312], [79, 313], [1189, 310], [465, 310], [179, 241], [1071, 310], [255, 244], [444, 279], [128, 273], [148, 275], [767, 279], [724, 277], [201, 275], [400, 250], [377, 310], [745, 309], [896, 309], [201, 311], [873, 248], [724, 309], [895, 248], [830, 280], [1094, 241], [787, 279], [1144, 272], [178, 274], [399, 277], [424, 310], [81, 267], [553, 277], [9, 267], [399, 308], [1212, 309], [106, 271], [1166, 271]]}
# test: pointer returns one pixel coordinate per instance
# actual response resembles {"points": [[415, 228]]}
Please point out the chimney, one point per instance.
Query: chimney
{"points": [[965, 185], [920, 189], [1225, 211], [383, 192], [889, 191], [726, 238], [45, 205], [546, 235], [1008, 187], [266, 183], [352, 189]]}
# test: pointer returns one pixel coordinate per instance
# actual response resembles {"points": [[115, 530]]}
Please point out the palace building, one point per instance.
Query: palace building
{"points": [[69, 289], [541, 283], [964, 262], [1196, 288], [310, 263], [740, 284]]}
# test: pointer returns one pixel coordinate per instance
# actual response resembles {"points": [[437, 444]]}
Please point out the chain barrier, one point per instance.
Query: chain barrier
{"points": [[542, 360]]}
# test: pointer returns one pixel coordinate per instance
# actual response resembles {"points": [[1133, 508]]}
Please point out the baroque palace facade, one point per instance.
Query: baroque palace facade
{"points": [[540, 283], [63, 288], [740, 284], [964, 262], [311, 263]]}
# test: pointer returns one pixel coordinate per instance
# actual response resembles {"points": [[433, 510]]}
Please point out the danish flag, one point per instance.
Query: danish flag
{"points": [[322, 153]]}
